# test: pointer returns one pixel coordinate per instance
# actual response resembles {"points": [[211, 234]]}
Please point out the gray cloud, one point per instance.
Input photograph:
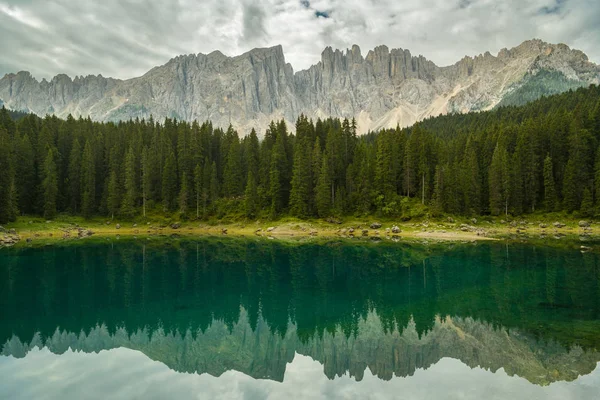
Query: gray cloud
{"points": [[125, 38], [253, 23]]}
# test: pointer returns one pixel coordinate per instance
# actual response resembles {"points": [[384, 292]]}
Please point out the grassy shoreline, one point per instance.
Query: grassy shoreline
{"points": [[31, 230]]}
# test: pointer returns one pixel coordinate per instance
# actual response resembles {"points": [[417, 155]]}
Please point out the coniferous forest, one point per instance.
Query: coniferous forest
{"points": [[544, 156]]}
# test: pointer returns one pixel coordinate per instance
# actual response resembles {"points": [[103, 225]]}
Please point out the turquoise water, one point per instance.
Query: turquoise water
{"points": [[250, 318]]}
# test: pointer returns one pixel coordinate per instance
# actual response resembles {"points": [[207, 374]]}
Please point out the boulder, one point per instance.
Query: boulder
{"points": [[543, 226], [375, 225], [12, 231], [365, 232], [474, 221], [175, 225], [395, 229], [84, 232], [224, 231], [584, 224], [450, 220], [270, 229], [558, 225]]}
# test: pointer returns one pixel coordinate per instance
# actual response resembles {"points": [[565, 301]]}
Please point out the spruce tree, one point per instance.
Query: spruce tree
{"points": [[169, 183], [128, 208], [198, 189], [498, 178], [323, 189], [251, 196], [549, 185], [74, 177], [570, 187], [214, 183], [7, 207], [113, 195], [232, 178], [587, 203], [50, 185], [25, 171], [184, 194], [146, 178], [301, 181], [88, 181]]}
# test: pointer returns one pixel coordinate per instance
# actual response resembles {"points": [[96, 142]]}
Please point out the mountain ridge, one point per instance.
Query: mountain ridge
{"points": [[383, 89]]}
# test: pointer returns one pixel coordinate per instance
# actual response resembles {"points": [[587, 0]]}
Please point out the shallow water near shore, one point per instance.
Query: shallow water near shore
{"points": [[255, 318]]}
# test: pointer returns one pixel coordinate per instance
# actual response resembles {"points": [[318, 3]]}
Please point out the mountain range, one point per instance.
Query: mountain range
{"points": [[381, 90]]}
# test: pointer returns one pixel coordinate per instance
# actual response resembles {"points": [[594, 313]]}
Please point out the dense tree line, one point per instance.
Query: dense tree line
{"points": [[512, 160]]}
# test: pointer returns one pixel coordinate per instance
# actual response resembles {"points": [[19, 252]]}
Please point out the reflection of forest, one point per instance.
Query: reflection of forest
{"points": [[248, 305]]}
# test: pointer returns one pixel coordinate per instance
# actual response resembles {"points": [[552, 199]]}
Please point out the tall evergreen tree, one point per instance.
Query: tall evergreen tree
{"points": [[549, 185], [198, 189], [50, 184], [251, 195], [169, 183], [25, 171], [113, 200], [7, 194], [323, 190], [499, 181], [184, 194], [128, 208], [74, 177], [88, 181]]}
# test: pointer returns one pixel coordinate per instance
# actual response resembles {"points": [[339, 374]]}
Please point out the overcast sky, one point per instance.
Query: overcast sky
{"points": [[125, 38]]}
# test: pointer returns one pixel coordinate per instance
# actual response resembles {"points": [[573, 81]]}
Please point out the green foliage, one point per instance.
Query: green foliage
{"points": [[511, 160], [543, 83]]}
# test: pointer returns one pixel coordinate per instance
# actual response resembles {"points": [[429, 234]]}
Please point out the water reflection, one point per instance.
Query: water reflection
{"points": [[359, 310]]}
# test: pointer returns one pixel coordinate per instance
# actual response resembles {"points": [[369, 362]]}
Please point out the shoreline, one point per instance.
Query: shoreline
{"points": [[50, 232]]}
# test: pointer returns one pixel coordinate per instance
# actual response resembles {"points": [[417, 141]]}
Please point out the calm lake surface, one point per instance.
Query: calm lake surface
{"points": [[252, 318]]}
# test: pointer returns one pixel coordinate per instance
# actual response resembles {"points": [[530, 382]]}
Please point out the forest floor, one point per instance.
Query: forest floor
{"points": [[542, 229]]}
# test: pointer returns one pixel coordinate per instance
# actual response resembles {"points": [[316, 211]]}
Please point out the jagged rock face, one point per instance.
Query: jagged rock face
{"points": [[382, 89]]}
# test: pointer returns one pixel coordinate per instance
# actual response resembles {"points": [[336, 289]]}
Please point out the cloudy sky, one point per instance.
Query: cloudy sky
{"points": [[125, 38]]}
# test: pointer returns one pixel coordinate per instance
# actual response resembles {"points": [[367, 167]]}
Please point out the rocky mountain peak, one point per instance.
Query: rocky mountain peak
{"points": [[382, 89]]}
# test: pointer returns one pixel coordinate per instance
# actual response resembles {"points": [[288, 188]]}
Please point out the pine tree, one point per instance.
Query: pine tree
{"points": [[88, 181], [113, 195], [233, 168], [301, 181], [214, 183], [499, 178], [74, 176], [7, 180], [587, 203], [323, 190], [146, 178], [50, 185], [198, 189], [570, 190], [169, 183], [549, 185], [251, 196], [471, 180], [276, 176], [25, 171], [128, 208], [184, 194]]}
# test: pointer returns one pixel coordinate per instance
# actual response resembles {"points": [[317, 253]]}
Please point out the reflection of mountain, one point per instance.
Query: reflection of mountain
{"points": [[318, 300], [263, 354]]}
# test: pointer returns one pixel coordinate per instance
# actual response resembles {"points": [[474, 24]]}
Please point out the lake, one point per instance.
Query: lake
{"points": [[254, 318]]}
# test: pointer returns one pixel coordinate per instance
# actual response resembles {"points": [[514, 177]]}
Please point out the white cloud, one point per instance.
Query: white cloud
{"points": [[126, 38]]}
